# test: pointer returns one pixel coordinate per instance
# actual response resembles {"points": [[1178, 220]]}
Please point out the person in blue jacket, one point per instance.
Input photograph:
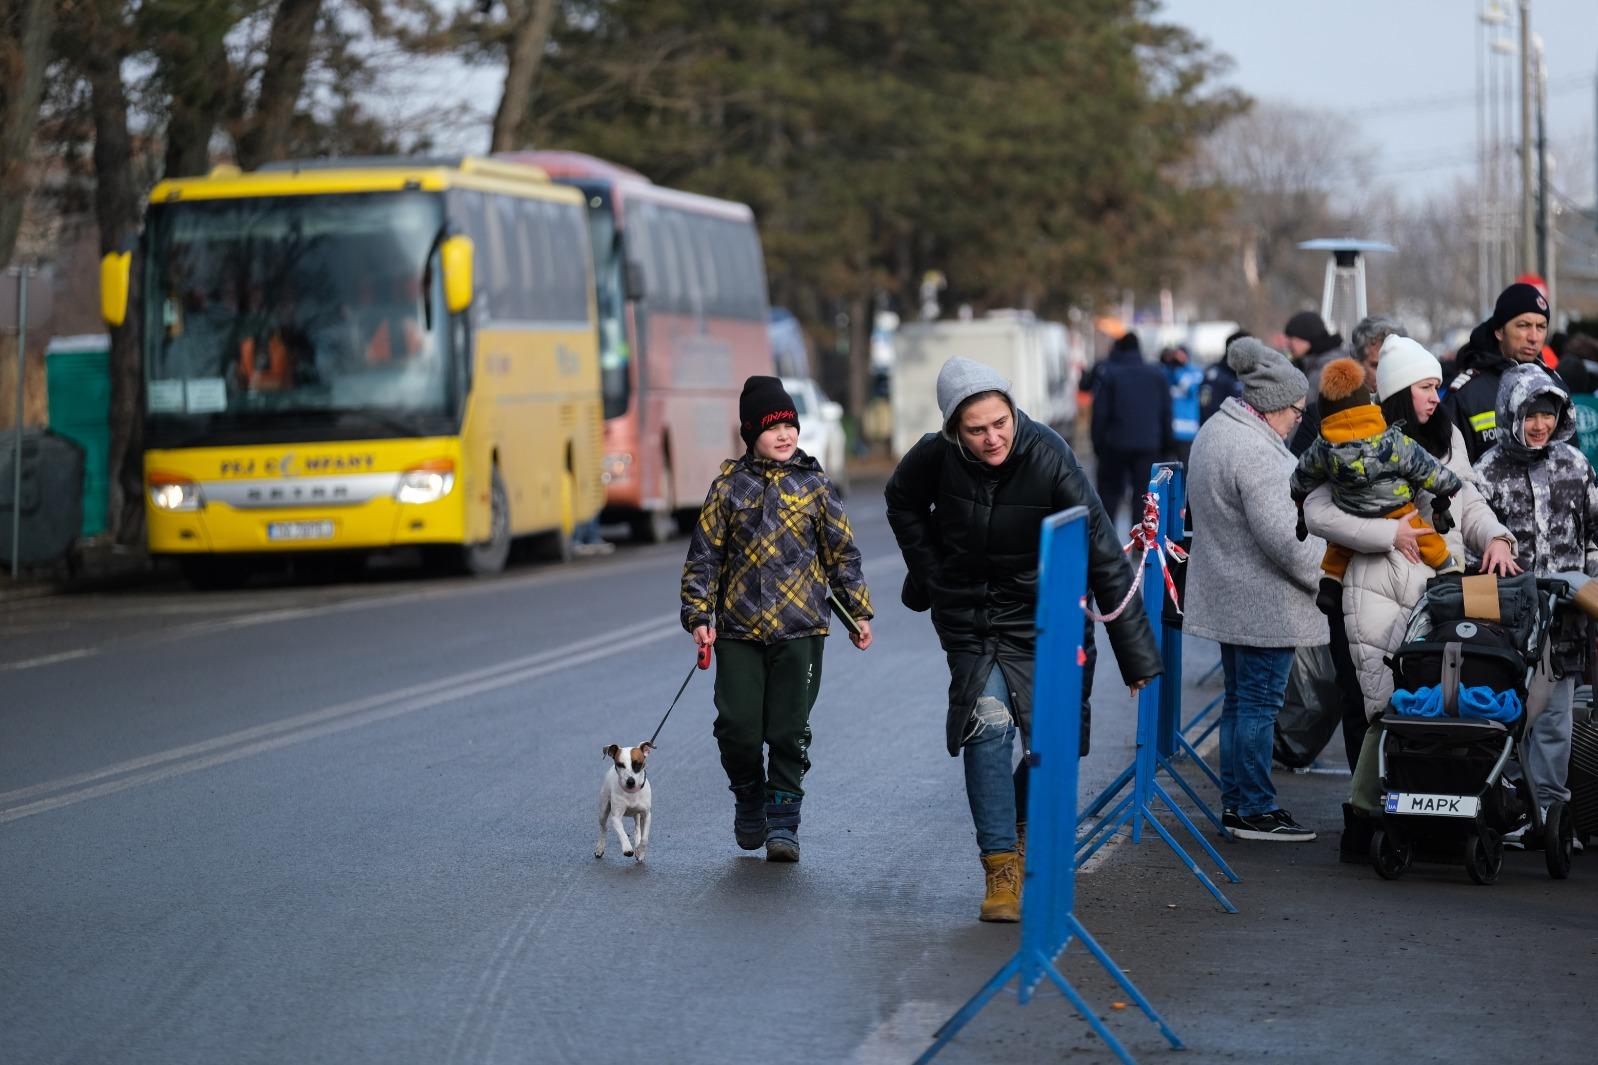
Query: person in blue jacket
{"points": [[1186, 380]]}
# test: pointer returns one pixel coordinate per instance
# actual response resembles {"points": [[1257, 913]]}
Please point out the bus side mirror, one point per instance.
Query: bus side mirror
{"points": [[636, 289], [115, 269], [456, 257]]}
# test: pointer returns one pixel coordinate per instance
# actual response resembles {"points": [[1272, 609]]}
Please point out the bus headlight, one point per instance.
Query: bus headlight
{"points": [[170, 492], [426, 483]]}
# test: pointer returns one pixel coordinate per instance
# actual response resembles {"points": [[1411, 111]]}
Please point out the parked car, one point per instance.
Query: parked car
{"points": [[820, 428]]}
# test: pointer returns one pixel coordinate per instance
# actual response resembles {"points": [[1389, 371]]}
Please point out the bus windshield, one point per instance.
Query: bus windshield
{"points": [[300, 310]]}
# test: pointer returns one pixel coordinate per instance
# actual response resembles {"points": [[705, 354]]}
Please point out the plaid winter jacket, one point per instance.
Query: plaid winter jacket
{"points": [[770, 541], [1372, 467], [1545, 496]]}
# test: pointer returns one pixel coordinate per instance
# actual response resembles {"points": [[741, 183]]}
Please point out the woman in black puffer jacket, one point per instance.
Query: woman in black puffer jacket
{"points": [[967, 506]]}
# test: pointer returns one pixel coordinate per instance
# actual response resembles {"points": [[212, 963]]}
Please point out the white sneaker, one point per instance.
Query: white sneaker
{"points": [[1515, 838]]}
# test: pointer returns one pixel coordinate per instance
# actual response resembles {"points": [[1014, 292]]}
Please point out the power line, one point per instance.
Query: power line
{"points": [[1446, 101]]}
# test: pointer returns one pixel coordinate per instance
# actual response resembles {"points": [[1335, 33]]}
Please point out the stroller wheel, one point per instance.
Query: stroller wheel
{"points": [[1557, 835], [1390, 856], [1484, 856]]}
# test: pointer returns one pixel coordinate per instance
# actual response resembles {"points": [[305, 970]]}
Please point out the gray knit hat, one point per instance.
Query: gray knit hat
{"points": [[1270, 382], [960, 379]]}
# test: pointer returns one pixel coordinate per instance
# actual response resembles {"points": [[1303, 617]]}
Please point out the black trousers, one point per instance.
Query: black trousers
{"points": [[1348, 683], [1122, 473]]}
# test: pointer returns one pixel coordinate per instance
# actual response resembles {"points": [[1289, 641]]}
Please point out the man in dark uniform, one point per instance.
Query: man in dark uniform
{"points": [[1514, 334]]}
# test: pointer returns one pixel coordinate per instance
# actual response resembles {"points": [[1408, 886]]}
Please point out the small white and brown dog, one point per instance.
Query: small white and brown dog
{"points": [[625, 793]]}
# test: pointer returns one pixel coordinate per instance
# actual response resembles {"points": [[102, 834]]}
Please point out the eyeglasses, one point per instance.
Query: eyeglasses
{"points": [[1297, 409]]}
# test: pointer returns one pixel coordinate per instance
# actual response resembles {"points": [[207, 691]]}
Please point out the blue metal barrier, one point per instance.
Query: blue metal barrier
{"points": [[1158, 720], [1048, 917]]}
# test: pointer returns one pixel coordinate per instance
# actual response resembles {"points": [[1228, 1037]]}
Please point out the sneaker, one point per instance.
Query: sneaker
{"points": [[1276, 825]]}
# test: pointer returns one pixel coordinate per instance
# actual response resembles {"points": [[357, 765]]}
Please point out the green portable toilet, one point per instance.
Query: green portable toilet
{"points": [[77, 374]]}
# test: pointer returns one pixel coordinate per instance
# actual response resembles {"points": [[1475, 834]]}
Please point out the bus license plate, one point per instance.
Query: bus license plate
{"points": [[1406, 802], [299, 530]]}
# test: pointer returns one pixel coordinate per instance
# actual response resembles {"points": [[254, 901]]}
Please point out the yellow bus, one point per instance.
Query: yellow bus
{"points": [[350, 355]]}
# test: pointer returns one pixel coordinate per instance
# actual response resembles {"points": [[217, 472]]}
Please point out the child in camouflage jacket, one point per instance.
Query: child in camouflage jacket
{"points": [[1374, 470], [771, 545]]}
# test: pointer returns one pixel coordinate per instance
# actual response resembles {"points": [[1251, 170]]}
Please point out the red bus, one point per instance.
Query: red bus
{"points": [[682, 321]]}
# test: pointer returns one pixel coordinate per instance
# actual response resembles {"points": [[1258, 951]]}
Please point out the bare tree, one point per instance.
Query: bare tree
{"points": [[265, 134], [1292, 174], [100, 40], [25, 27], [527, 27], [1431, 283]]}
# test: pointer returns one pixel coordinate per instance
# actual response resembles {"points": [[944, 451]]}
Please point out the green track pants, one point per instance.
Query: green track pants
{"points": [[764, 693]]}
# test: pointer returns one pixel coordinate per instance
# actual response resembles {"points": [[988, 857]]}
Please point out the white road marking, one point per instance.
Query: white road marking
{"points": [[337, 718], [50, 660], [292, 613], [178, 761]]}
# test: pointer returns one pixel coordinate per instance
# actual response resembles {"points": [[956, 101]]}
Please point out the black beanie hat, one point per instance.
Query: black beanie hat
{"points": [[1516, 300], [1542, 403], [763, 404], [1305, 325]]}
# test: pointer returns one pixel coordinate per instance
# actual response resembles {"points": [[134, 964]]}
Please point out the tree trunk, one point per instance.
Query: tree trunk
{"points": [[24, 50], [529, 33], [860, 350], [197, 80], [288, 54], [116, 205]]}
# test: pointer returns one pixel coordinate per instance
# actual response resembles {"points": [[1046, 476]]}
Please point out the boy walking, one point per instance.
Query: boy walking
{"points": [[771, 542]]}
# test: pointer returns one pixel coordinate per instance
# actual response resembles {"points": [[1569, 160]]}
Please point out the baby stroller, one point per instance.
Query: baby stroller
{"points": [[1460, 685]]}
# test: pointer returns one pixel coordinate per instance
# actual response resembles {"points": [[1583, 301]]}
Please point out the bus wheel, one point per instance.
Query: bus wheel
{"points": [[488, 557]]}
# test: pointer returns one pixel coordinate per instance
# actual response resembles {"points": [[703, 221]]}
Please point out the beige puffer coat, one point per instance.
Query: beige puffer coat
{"points": [[1381, 586]]}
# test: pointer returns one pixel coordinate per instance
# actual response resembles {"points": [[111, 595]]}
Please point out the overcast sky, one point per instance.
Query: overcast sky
{"points": [[1404, 72]]}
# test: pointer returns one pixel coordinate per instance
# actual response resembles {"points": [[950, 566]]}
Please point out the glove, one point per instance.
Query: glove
{"points": [[1301, 530], [1442, 520]]}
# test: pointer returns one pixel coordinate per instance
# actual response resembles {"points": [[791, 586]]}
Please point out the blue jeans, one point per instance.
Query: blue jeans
{"points": [[1256, 681], [993, 790]]}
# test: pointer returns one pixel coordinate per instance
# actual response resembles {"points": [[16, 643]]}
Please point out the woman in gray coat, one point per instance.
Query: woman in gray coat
{"points": [[1251, 582]]}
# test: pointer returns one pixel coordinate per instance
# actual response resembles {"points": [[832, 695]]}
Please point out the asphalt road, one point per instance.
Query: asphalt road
{"points": [[354, 822]]}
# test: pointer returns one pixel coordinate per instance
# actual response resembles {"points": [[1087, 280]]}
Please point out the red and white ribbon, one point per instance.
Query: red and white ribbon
{"points": [[1145, 538]]}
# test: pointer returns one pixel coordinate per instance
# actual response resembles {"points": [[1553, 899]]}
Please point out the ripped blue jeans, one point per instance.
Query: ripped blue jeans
{"points": [[995, 791]]}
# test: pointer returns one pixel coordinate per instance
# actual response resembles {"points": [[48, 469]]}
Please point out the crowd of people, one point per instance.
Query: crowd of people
{"points": [[1335, 480], [1325, 484]]}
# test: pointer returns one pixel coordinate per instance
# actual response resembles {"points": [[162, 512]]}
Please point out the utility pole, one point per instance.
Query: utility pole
{"points": [[1528, 232], [1545, 238]]}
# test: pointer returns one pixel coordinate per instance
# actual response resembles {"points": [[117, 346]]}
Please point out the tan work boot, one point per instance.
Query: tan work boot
{"points": [[1003, 900]]}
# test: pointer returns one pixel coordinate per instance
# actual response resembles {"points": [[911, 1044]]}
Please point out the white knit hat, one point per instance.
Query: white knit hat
{"points": [[1404, 362]]}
